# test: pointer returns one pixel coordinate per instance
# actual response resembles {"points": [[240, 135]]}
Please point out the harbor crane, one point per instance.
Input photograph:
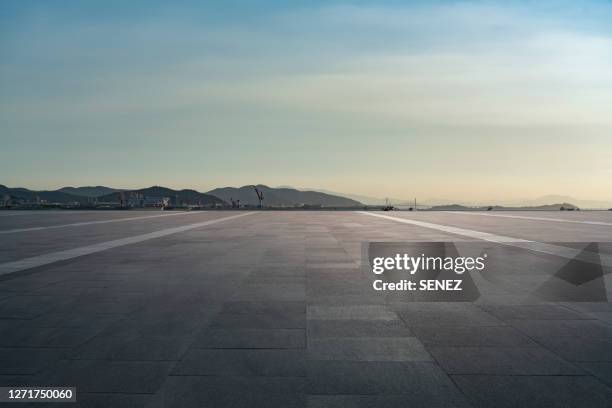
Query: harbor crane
{"points": [[260, 196]]}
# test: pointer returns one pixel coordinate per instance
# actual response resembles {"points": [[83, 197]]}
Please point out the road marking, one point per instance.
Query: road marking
{"points": [[78, 224], [522, 217], [28, 212], [35, 261], [556, 250]]}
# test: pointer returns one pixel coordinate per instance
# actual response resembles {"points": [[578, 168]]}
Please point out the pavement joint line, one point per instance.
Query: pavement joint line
{"points": [[45, 259], [79, 224], [28, 212], [522, 217], [549, 249]]}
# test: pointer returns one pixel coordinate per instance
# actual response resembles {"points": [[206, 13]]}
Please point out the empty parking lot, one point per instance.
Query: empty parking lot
{"points": [[274, 308]]}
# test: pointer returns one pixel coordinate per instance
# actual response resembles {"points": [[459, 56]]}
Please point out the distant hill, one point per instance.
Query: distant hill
{"points": [[282, 196], [363, 199], [190, 197], [89, 191], [54, 196], [546, 207]]}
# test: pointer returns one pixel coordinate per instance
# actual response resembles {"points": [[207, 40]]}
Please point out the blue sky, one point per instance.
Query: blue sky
{"points": [[486, 100]]}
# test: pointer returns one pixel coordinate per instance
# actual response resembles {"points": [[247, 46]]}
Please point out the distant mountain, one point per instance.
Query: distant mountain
{"points": [[567, 199], [191, 197], [55, 196], [364, 199], [89, 191], [282, 196], [546, 207]]}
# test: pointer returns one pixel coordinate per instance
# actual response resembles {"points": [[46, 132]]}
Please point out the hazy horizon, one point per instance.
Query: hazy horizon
{"points": [[365, 199], [474, 101]]}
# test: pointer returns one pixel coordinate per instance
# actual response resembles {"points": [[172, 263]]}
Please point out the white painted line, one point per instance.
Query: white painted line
{"points": [[556, 250], [522, 217], [28, 212], [35, 261], [79, 224]]}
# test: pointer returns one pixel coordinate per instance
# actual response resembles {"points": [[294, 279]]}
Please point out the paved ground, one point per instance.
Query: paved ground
{"points": [[236, 309]]}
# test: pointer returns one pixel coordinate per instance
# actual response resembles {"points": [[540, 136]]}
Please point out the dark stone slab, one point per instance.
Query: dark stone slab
{"points": [[86, 400], [600, 369], [264, 307], [46, 337], [17, 361], [162, 324], [252, 338], [580, 348], [424, 380], [418, 400], [486, 391], [260, 321], [29, 306], [74, 320], [502, 360], [265, 292], [357, 328], [273, 363], [533, 312], [500, 336], [449, 318], [107, 376], [212, 391], [367, 349], [542, 329], [150, 348]]}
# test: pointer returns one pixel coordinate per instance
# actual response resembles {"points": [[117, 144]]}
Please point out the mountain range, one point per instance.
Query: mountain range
{"points": [[89, 191], [282, 196], [187, 196], [219, 196], [274, 196]]}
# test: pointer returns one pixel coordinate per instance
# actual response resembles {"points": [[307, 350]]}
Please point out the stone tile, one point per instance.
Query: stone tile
{"points": [[449, 318], [486, 391], [18, 380], [138, 348], [46, 337], [107, 376], [267, 292], [357, 328], [19, 361], [272, 363], [73, 320], [502, 361], [540, 329], [580, 348], [368, 349], [498, 336], [600, 369], [260, 321], [533, 312], [95, 400], [417, 400], [353, 312], [160, 324], [423, 381], [252, 339], [29, 307], [264, 307], [212, 391]]}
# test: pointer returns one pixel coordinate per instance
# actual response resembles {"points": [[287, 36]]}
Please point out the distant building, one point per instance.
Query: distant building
{"points": [[148, 201]]}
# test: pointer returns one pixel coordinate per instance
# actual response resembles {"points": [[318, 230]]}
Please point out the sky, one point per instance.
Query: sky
{"points": [[465, 101]]}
